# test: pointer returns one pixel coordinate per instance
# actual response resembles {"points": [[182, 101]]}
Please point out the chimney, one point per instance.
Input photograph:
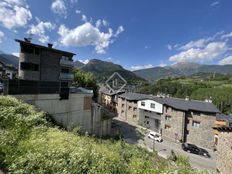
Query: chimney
{"points": [[27, 40], [50, 45]]}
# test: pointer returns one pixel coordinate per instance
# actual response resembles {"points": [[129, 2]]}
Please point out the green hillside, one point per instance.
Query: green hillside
{"points": [[181, 69], [103, 70], [31, 144], [198, 86]]}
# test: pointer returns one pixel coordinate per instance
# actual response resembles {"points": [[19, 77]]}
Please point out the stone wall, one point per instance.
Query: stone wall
{"points": [[172, 129], [203, 135], [224, 153], [128, 110], [121, 108]]}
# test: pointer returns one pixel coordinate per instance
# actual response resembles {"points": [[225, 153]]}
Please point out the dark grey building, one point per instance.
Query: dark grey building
{"points": [[41, 63]]}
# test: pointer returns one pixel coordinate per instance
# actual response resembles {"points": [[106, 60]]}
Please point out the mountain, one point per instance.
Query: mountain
{"points": [[156, 73], [103, 70], [8, 59], [77, 64], [182, 69]]}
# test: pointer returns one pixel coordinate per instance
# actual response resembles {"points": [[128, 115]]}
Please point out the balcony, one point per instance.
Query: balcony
{"points": [[65, 62], [66, 76]]}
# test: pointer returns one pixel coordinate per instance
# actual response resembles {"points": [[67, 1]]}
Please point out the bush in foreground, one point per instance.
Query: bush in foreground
{"points": [[30, 144]]}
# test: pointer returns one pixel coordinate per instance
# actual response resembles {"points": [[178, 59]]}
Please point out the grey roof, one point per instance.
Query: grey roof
{"points": [[46, 48], [224, 117], [108, 92], [135, 96], [188, 105], [177, 103]]}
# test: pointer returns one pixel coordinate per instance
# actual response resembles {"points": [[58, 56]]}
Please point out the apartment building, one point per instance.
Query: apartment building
{"points": [[221, 121], [109, 99], [178, 120], [128, 106], [41, 63], [224, 149]]}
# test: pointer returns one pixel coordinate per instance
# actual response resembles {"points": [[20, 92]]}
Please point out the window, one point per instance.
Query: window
{"points": [[135, 109], [134, 116], [29, 49], [122, 111], [152, 105], [196, 124], [166, 109], [65, 70], [146, 116], [196, 113], [142, 103], [130, 108], [168, 118], [123, 105], [167, 126], [29, 66]]}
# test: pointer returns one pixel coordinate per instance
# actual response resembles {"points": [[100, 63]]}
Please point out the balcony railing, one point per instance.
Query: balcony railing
{"points": [[66, 62], [66, 76]]}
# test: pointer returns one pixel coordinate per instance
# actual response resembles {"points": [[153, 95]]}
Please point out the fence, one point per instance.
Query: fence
{"points": [[13, 87]]}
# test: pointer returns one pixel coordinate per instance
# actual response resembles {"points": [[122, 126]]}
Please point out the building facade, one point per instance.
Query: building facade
{"points": [[40, 63], [224, 150], [178, 120]]}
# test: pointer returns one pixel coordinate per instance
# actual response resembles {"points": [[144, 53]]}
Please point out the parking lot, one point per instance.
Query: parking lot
{"points": [[131, 135]]}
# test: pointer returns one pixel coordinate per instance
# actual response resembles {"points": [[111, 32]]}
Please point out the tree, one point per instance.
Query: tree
{"points": [[86, 80]]}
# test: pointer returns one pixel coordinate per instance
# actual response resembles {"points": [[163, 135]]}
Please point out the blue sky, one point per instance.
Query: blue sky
{"points": [[134, 33]]}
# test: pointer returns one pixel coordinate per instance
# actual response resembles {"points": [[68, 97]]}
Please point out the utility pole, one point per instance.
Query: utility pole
{"points": [[153, 146]]}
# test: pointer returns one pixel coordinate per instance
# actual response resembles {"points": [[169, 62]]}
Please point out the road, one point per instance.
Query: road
{"points": [[132, 136]]}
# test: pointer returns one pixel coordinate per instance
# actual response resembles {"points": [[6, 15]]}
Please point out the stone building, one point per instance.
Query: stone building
{"points": [[128, 108], [224, 150], [184, 120], [221, 121], [109, 99], [178, 120], [40, 63]]}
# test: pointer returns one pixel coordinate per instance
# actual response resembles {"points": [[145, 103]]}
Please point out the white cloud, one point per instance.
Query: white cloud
{"points": [[163, 65], [1, 36], [195, 44], [58, 7], [226, 36], [138, 67], [100, 23], [15, 54], [169, 47], [40, 30], [105, 23], [226, 61], [86, 35], [215, 3], [119, 30], [202, 53], [84, 61], [78, 11], [84, 18], [14, 13], [146, 47]]}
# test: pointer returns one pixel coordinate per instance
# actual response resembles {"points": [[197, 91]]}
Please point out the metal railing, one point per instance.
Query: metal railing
{"points": [[66, 62], [66, 76]]}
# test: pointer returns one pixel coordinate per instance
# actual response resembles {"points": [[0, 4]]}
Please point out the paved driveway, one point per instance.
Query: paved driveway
{"points": [[132, 136]]}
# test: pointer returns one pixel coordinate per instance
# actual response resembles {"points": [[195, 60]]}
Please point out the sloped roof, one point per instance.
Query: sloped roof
{"points": [[193, 105], [135, 96], [224, 117], [177, 103]]}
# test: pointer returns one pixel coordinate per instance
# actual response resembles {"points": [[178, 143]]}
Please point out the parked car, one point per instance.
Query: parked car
{"points": [[155, 136], [191, 148]]}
